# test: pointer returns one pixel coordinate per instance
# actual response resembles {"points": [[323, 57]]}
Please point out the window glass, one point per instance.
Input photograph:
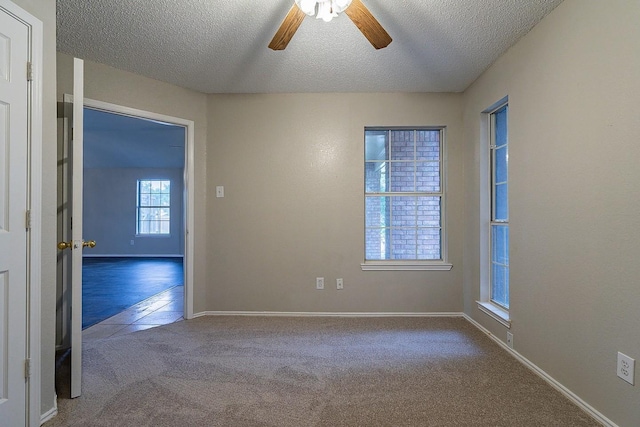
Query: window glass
{"points": [[403, 194], [153, 207], [499, 282]]}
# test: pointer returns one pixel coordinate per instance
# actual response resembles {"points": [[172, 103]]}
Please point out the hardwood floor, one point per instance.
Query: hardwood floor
{"points": [[114, 284], [161, 309]]}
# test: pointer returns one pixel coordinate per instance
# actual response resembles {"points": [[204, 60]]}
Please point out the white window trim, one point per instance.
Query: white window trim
{"points": [[405, 266], [496, 312], [422, 265], [494, 184], [485, 305]]}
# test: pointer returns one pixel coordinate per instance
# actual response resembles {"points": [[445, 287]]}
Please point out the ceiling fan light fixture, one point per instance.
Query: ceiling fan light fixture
{"points": [[307, 6], [323, 9], [327, 10]]}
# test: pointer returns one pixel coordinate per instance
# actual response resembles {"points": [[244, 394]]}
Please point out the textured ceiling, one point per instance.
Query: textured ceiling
{"points": [[220, 46]]}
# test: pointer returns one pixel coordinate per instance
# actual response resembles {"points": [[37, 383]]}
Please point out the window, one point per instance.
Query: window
{"points": [[153, 207], [404, 199], [499, 224]]}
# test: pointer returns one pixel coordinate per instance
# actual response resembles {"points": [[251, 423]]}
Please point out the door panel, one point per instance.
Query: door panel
{"points": [[14, 51], [76, 154]]}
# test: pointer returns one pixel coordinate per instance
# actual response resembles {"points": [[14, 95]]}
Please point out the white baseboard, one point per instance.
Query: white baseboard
{"points": [[546, 377], [51, 412], [323, 314]]}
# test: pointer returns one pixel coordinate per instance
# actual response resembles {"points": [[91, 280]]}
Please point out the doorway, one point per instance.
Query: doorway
{"points": [[133, 207], [126, 144]]}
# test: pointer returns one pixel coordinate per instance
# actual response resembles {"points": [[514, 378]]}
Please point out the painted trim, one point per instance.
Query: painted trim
{"points": [[50, 413], [35, 202], [498, 314], [322, 314], [35, 205], [594, 413], [404, 266]]}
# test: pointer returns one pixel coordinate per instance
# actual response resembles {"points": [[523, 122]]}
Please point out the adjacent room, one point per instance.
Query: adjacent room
{"points": [[401, 213], [133, 210]]}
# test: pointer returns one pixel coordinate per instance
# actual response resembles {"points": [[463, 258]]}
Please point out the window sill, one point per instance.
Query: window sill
{"points": [[405, 266], [155, 236], [497, 313]]}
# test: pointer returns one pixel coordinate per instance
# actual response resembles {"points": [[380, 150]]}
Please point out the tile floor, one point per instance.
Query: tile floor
{"points": [[160, 309]]}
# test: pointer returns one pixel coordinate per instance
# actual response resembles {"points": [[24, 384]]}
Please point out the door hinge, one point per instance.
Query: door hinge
{"points": [[27, 368], [29, 71], [27, 219]]}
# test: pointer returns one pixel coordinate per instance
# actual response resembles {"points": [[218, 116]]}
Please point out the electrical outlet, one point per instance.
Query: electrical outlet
{"points": [[626, 367], [319, 282], [510, 339], [339, 284]]}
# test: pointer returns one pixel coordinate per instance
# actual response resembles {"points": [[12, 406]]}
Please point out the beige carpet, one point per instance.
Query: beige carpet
{"points": [[266, 371]]}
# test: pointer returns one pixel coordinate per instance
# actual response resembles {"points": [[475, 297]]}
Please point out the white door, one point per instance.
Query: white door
{"points": [[72, 222], [77, 244], [14, 50]]}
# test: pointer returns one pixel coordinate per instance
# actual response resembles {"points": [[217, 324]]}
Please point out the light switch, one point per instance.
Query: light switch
{"points": [[219, 191]]}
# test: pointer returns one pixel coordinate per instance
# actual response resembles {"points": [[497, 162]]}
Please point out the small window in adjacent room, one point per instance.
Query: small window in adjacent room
{"points": [[404, 199], [153, 207]]}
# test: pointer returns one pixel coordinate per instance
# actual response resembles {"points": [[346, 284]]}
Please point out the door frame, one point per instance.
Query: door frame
{"points": [[188, 184], [34, 205]]}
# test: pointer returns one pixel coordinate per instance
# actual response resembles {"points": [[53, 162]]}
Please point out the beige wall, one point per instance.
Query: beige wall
{"points": [[574, 134], [292, 167]]}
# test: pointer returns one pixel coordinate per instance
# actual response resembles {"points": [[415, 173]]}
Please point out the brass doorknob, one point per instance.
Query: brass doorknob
{"points": [[69, 245], [64, 245]]}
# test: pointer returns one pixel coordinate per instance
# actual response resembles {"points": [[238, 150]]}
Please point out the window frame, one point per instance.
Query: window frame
{"points": [[494, 220], [498, 312], [139, 206], [411, 265]]}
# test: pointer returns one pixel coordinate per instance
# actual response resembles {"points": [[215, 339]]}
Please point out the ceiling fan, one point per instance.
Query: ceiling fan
{"points": [[326, 10]]}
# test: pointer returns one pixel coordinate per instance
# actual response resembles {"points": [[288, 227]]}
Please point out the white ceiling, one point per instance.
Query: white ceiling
{"points": [[220, 46]]}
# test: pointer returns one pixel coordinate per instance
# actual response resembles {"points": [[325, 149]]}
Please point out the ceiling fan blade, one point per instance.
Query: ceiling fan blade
{"points": [[288, 28], [368, 25]]}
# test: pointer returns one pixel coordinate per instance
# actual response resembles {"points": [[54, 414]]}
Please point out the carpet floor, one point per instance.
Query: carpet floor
{"points": [[111, 285], [271, 371]]}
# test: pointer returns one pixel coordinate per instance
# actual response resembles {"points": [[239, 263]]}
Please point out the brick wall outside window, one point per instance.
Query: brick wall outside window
{"points": [[403, 199]]}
